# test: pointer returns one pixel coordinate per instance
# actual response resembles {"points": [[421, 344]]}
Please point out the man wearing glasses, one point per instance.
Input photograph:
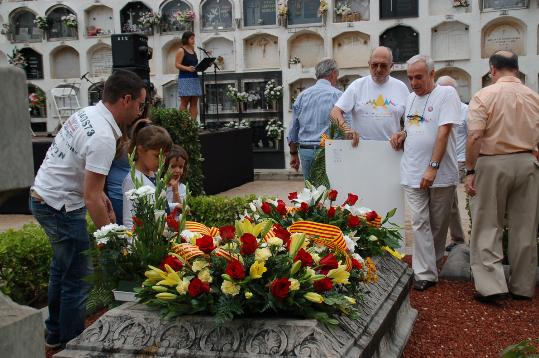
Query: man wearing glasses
{"points": [[376, 102], [71, 180]]}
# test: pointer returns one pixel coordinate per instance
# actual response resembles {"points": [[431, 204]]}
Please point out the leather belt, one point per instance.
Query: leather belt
{"points": [[309, 146]]}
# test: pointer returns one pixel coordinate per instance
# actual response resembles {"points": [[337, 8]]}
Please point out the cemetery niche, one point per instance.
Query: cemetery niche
{"points": [[445, 7], [65, 63], [22, 26], [298, 86], [176, 16], [302, 12], [170, 94], [95, 92], [37, 101], [351, 49], [261, 51], [308, 47], [450, 41], [393, 9], [259, 12], [131, 16], [223, 50], [493, 5], [505, 33], [34, 63], [62, 24], [344, 81], [169, 56], [351, 10], [462, 78], [99, 21], [486, 80], [216, 15], [402, 40], [100, 60]]}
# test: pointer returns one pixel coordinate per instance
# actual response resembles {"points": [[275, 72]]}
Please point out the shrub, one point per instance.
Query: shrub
{"points": [[217, 210], [184, 131], [25, 257]]}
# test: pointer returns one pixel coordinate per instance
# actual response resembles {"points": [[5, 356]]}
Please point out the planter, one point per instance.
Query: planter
{"points": [[283, 21], [296, 67], [124, 292]]}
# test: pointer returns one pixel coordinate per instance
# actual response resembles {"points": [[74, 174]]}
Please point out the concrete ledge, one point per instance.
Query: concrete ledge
{"points": [[278, 174]]}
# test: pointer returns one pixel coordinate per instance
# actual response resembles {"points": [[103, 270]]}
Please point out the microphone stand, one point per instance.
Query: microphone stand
{"points": [[215, 68]]}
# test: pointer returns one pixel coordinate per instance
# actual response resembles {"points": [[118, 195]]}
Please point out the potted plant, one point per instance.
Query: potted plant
{"points": [[274, 131], [282, 11], [343, 11], [323, 10], [295, 64]]}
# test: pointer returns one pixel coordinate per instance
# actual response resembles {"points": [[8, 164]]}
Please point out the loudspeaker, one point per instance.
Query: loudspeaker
{"points": [[130, 50]]}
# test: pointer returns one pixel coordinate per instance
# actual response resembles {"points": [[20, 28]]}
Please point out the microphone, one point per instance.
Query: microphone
{"points": [[201, 49]]}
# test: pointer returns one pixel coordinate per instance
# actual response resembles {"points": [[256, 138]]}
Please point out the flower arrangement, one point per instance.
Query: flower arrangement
{"points": [[6, 30], [282, 8], [323, 8], [294, 60], [343, 8], [70, 20], [41, 23], [36, 100], [241, 97], [274, 128], [149, 19], [185, 16], [220, 61], [272, 91], [241, 124], [17, 59], [461, 3]]}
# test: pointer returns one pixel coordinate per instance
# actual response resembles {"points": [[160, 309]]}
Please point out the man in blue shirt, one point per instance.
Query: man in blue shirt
{"points": [[310, 116]]}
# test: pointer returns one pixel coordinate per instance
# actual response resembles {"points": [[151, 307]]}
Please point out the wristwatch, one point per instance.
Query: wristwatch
{"points": [[434, 165], [469, 172]]}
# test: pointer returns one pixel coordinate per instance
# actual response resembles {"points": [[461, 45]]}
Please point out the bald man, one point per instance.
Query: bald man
{"points": [[460, 130], [376, 102]]}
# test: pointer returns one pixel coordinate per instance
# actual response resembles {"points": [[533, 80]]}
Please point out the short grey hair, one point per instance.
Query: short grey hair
{"points": [[422, 58], [325, 67], [447, 81]]}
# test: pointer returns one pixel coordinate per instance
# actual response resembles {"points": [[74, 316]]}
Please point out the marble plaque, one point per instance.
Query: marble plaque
{"points": [[261, 51], [508, 35], [308, 47], [351, 49], [402, 40], [65, 63], [34, 61], [219, 46], [450, 41], [216, 15], [259, 12], [101, 61]]}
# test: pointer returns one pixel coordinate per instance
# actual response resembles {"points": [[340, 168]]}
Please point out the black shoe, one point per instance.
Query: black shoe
{"points": [[519, 297], [53, 341], [422, 285], [452, 245], [490, 298]]}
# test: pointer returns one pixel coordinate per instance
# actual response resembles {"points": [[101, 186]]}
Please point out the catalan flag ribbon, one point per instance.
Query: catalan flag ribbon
{"points": [[187, 251], [214, 231], [197, 227], [225, 254], [323, 139]]}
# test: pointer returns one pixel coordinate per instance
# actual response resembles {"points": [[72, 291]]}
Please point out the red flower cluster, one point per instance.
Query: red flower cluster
{"points": [[205, 244], [266, 208], [281, 233], [235, 270], [304, 207], [352, 199], [323, 285], [356, 264], [227, 232], [281, 207], [249, 244], [293, 196], [327, 263], [353, 221], [172, 222], [305, 258], [331, 211], [280, 288], [136, 222], [333, 195], [197, 287], [371, 215], [173, 262]]}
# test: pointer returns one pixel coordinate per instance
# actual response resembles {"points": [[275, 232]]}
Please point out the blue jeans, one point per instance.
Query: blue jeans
{"points": [[67, 291], [306, 158], [117, 206]]}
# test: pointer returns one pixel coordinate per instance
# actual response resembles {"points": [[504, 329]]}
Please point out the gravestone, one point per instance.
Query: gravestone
{"points": [[169, 22], [303, 12], [101, 61], [261, 51], [382, 330], [504, 4], [504, 35], [99, 21], [170, 94], [219, 46], [169, 56], [402, 40], [398, 8], [34, 64], [462, 78], [308, 47], [450, 41], [259, 12], [351, 49], [65, 63], [216, 15]]}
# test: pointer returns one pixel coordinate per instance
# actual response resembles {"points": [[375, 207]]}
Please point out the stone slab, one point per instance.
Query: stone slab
{"points": [[381, 331], [21, 330]]}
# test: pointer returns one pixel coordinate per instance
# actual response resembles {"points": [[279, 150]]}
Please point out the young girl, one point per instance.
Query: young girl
{"points": [[177, 163], [148, 141]]}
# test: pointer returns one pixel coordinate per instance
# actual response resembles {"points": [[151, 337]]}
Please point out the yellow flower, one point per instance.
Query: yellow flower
{"points": [[313, 297], [248, 295], [262, 254], [230, 288], [155, 274], [275, 241], [257, 269], [159, 288], [182, 287], [166, 296], [294, 284], [339, 275], [172, 278], [205, 276], [295, 267], [296, 243], [350, 300], [199, 265]]}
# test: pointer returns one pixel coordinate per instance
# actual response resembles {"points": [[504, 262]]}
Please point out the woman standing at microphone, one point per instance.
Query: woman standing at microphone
{"points": [[189, 88]]}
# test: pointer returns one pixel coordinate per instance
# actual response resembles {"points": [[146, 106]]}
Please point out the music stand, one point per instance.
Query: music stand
{"points": [[202, 66]]}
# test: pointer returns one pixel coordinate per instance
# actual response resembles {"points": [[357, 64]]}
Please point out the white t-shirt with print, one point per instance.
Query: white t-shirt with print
{"points": [[87, 141], [376, 109], [461, 133], [423, 117]]}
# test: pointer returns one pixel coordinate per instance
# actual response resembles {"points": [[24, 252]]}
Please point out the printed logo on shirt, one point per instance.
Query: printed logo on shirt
{"points": [[380, 102], [416, 119]]}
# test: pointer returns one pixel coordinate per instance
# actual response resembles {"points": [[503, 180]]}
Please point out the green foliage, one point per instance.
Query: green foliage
{"points": [[99, 297], [217, 210], [184, 131], [25, 257], [524, 349], [318, 174]]}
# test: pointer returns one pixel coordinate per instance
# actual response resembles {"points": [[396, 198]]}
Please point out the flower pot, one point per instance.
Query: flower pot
{"points": [[296, 67], [124, 292]]}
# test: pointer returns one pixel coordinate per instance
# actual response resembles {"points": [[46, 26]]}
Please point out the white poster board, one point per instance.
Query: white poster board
{"points": [[371, 171]]}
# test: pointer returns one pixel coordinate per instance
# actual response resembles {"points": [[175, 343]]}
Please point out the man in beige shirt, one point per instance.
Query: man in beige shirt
{"points": [[502, 177]]}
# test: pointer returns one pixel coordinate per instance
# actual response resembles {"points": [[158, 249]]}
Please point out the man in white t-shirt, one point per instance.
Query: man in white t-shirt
{"points": [[376, 102], [429, 171], [71, 180], [461, 133]]}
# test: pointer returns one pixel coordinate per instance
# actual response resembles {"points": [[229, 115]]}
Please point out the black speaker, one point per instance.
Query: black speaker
{"points": [[130, 50]]}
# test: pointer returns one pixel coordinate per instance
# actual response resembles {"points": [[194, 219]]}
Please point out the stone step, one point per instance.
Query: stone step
{"points": [[278, 174]]}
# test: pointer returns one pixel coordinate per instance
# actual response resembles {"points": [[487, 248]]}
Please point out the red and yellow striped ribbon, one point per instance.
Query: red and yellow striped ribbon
{"points": [[323, 139], [187, 251], [214, 231], [197, 227], [269, 235], [376, 222], [224, 254]]}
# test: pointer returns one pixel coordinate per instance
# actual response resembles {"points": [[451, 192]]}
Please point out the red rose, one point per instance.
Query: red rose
{"points": [[235, 270], [323, 285], [281, 207], [227, 232], [197, 287], [352, 198], [331, 212], [329, 262], [293, 196], [173, 262], [248, 244], [356, 264], [305, 258], [280, 287], [205, 244], [371, 215], [172, 222], [101, 246], [353, 221], [266, 208], [304, 207], [333, 195], [136, 222], [281, 233]]}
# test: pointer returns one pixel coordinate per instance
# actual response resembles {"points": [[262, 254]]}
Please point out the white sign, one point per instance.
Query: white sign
{"points": [[371, 171]]}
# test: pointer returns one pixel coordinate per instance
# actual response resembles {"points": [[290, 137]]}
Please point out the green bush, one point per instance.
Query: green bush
{"points": [[25, 256], [184, 131], [217, 210]]}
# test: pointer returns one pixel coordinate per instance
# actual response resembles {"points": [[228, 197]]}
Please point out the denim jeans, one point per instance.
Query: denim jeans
{"points": [[306, 158], [67, 291]]}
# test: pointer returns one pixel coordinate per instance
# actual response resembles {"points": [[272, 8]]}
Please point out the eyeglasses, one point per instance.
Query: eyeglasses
{"points": [[383, 66], [141, 105]]}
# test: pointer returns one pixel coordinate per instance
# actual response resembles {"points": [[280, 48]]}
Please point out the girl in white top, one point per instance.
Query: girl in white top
{"points": [[177, 163], [147, 142]]}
